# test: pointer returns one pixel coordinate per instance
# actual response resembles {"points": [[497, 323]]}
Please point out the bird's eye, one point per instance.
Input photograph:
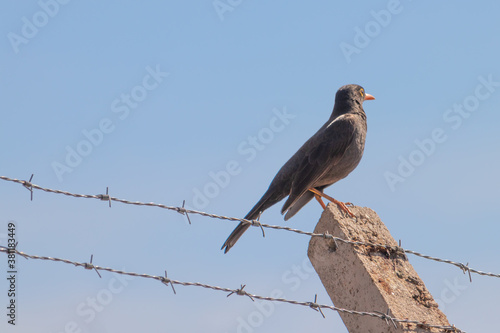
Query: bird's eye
{"points": [[362, 92]]}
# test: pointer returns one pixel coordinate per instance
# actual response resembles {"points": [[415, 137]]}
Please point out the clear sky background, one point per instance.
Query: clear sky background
{"points": [[220, 78]]}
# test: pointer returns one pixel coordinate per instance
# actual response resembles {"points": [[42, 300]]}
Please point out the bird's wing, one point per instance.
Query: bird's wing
{"points": [[322, 152]]}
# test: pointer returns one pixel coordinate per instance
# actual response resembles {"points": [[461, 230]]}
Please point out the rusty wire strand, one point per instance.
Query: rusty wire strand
{"points": [[184, 211], [240, 292]]}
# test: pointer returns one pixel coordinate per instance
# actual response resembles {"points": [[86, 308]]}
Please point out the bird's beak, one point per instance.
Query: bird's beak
{"points": [[369, 97]]}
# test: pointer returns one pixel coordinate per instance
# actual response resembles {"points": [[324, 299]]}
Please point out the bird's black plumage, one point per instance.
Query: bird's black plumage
{"points": [[328, 156]]}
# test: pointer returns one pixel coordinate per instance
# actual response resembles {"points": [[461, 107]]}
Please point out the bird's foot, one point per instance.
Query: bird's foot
{"points": [[318, 195], [349, 204]]}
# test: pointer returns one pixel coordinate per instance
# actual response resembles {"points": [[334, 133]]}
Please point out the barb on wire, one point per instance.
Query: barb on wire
{"points": [[403, 250], [316, 307], [165, 280], [465, 268], [106, 197], [29, 186], [91, 266], [239, 291], [388, 318], [257, 222], [182, 210], [12, 250]]}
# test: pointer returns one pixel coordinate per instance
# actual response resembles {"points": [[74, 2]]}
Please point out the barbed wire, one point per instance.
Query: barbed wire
{"points": [[239, 291], [184, 211]]}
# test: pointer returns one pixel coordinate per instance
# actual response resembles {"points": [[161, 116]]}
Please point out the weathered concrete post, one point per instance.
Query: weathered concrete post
{"points": [[364, 278]]}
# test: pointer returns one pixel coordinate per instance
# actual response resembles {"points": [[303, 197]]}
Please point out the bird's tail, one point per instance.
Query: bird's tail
{"points": [[235, 235], [264, 203]]}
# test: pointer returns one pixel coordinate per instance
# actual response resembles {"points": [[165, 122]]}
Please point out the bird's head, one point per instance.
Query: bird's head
{"points": [[350, 94]]}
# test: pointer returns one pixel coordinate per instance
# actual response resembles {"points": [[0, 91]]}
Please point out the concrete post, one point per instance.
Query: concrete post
{"points": [[367, 279]]}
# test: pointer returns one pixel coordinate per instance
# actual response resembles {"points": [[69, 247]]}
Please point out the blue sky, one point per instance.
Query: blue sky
{"points": [[154, 100]]}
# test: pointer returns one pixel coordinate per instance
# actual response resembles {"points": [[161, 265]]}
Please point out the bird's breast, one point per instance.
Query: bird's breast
{"points": [[349, 160]]}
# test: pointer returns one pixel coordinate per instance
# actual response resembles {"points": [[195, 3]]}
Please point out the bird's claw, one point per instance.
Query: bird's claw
{"points": [[343, 206], [318, 195]]}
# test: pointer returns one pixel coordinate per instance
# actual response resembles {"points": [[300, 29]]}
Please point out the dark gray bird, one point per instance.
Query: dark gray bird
{"points": [[327, 157]]}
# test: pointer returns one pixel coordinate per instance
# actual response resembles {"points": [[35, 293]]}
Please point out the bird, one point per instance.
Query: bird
{"points": [[331, 154]]}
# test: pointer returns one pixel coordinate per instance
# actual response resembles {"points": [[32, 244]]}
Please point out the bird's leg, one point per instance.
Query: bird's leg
{"points": [[320, 201], [339, 203]]}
